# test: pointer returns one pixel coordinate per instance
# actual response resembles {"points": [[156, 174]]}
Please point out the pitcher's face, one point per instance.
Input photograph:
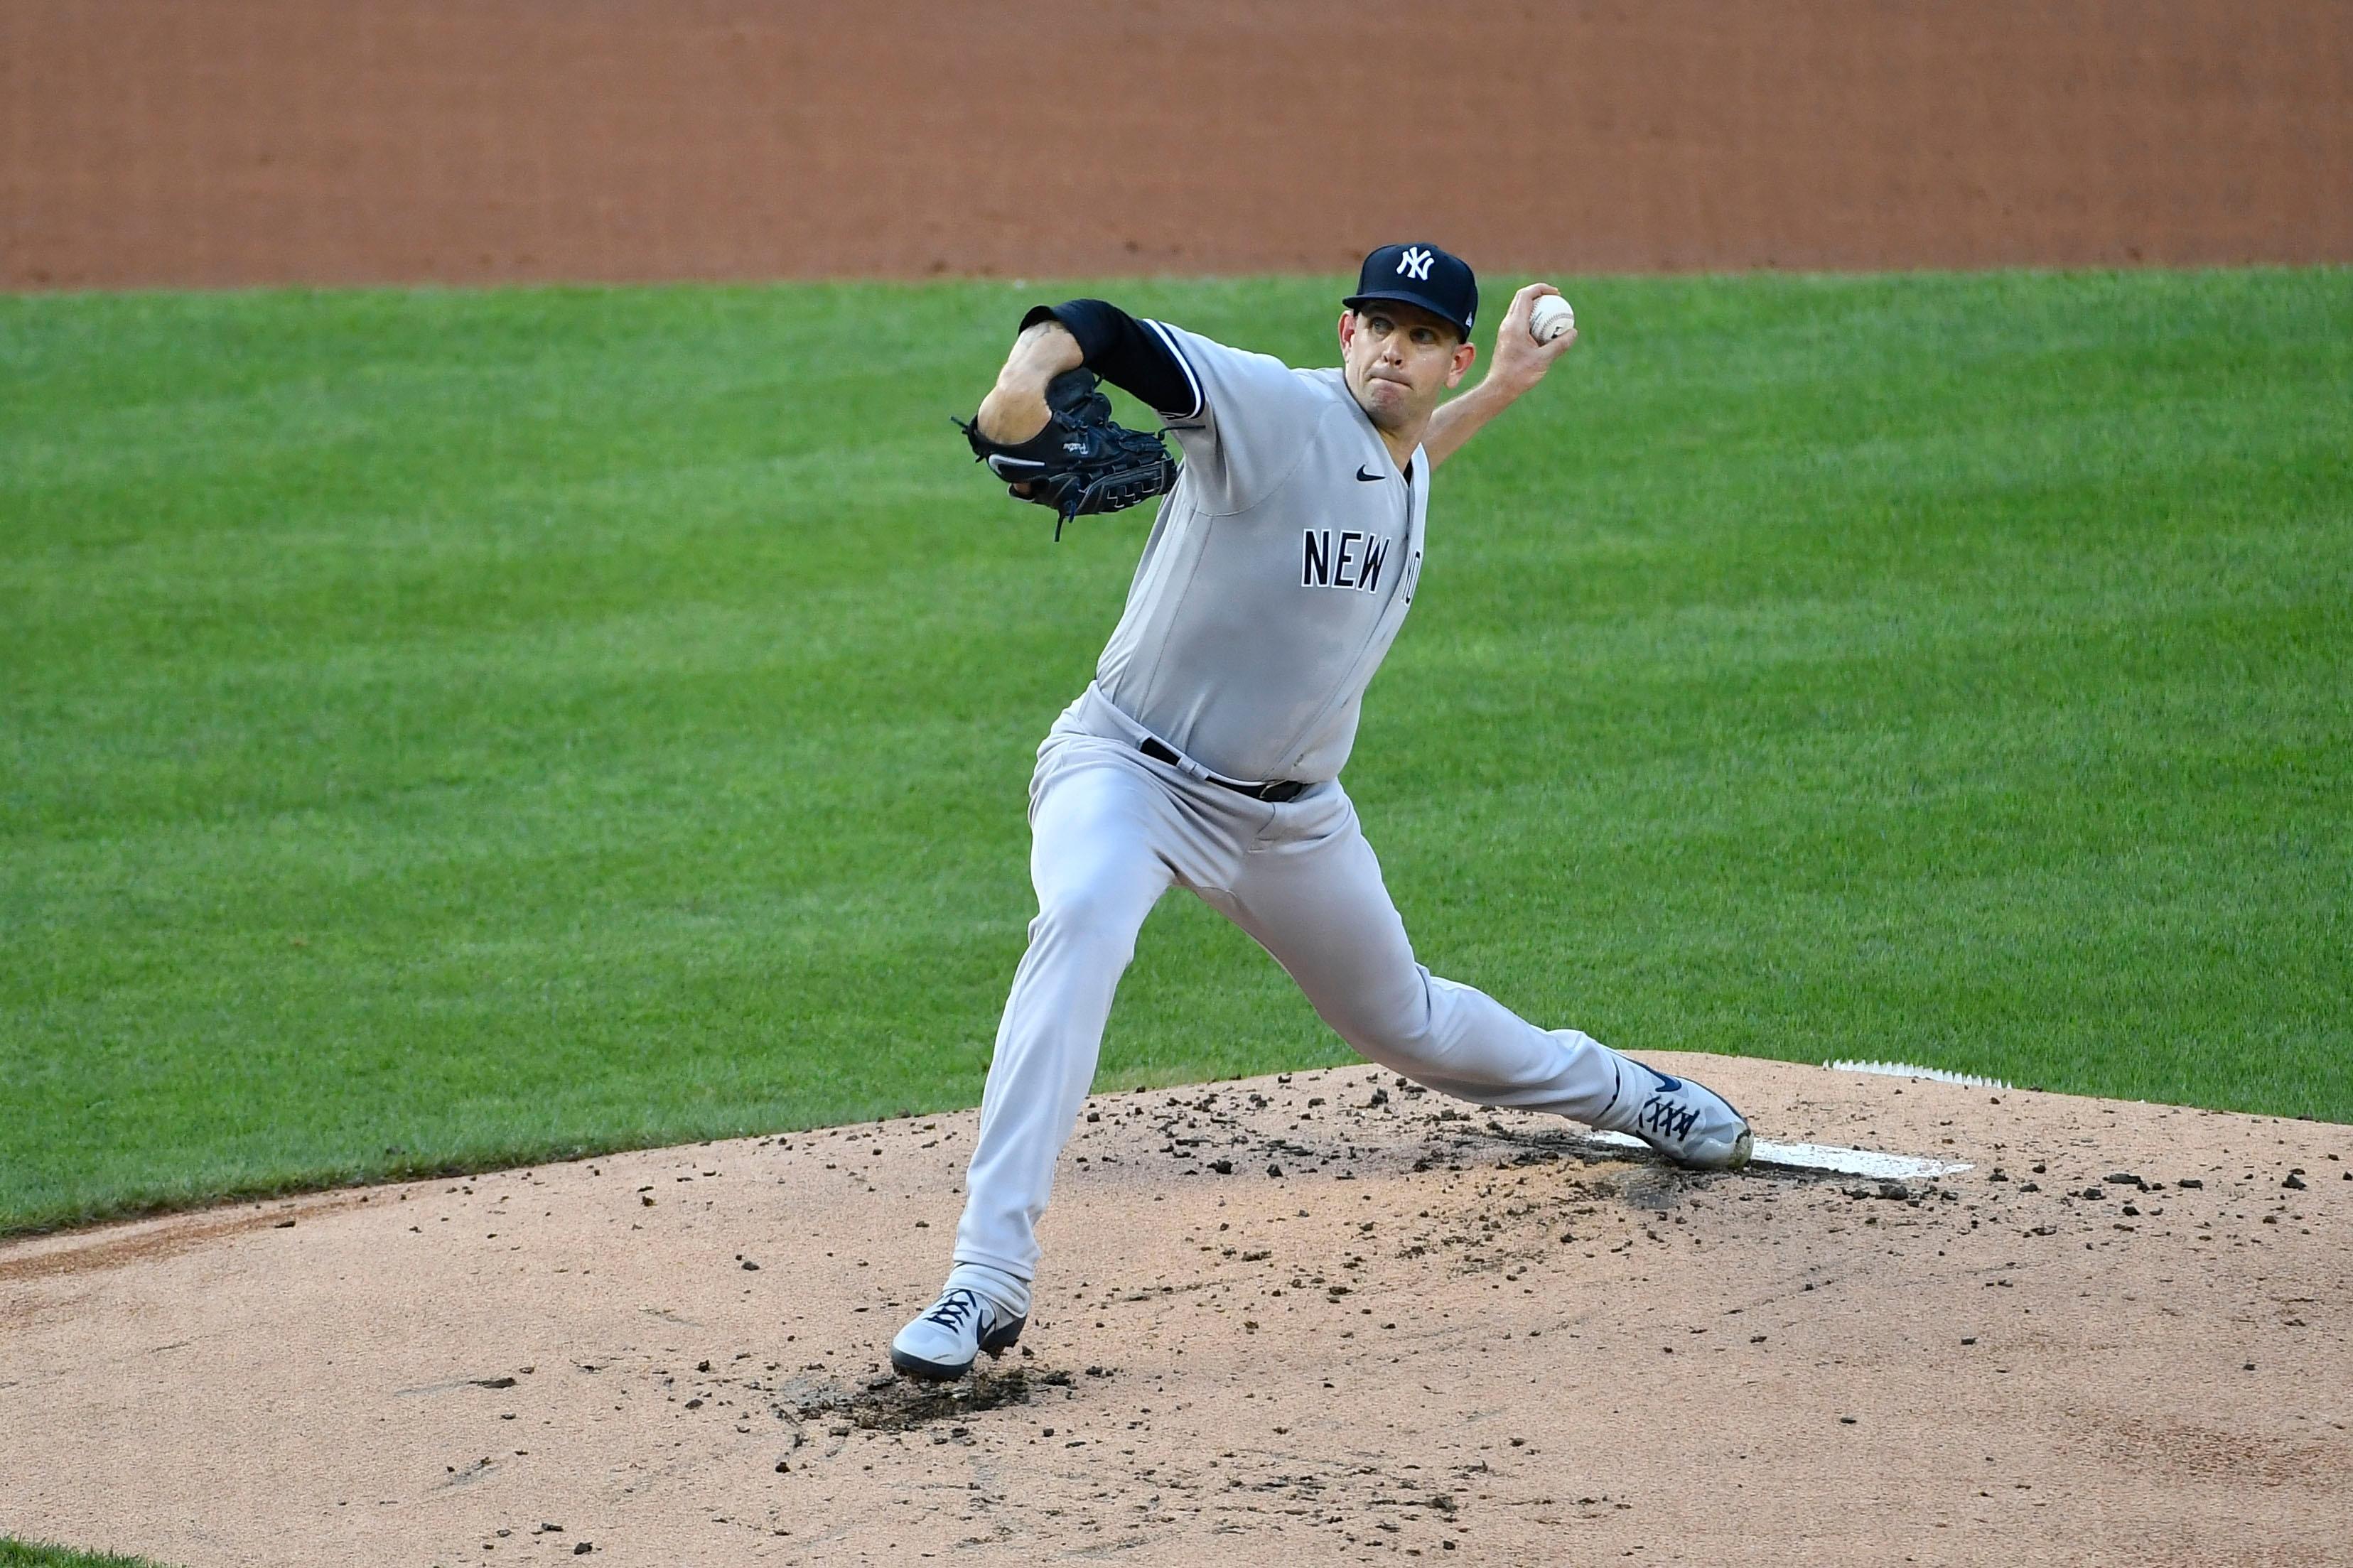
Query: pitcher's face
{"points": [[1397, 359]]}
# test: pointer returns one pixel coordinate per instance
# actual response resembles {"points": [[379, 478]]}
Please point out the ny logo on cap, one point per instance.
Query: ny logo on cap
{"points": [[1415, 263]]}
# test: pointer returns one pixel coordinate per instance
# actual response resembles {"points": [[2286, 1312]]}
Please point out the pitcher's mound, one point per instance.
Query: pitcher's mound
{"points": [[1292, 1319]]}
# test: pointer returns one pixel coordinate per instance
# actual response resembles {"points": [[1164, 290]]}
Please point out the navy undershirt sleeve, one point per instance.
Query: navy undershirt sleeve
{"points": [[1126, 352]]}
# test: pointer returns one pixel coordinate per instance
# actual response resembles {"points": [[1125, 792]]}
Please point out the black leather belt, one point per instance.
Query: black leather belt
{"points": [[1289, 789]]}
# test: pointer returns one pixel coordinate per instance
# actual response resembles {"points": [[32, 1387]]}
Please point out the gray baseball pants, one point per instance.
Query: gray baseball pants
{"points": [[1111, 830]]}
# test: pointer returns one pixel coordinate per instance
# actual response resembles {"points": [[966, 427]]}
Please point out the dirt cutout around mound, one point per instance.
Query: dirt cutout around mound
{"points": [[157, 143], [1296, 1319]]}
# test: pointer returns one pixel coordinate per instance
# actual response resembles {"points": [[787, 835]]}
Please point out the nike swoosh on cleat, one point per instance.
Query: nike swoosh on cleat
{"points": [[1669, 1085], [1369, 479]]}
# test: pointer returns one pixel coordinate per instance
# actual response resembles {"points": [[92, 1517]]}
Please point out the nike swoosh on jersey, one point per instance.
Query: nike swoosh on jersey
{"points": [[1369, 479]]}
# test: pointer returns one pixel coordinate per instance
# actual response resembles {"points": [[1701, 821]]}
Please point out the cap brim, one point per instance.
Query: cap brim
{"points": [[1399, 297]]}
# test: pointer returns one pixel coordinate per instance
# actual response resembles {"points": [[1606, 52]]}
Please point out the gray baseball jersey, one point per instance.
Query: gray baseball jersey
{"points": [[1274, 581], [1277, 576]]}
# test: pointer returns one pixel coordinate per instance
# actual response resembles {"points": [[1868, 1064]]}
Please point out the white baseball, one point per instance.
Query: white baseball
{"points": [[1551, 318]]}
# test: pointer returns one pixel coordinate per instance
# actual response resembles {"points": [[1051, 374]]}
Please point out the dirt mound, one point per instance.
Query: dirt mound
{"points": [[1320, 1315], [239, 142]]}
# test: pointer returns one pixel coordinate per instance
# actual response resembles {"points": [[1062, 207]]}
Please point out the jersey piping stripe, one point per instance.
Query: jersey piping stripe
{"points": [[1186, 366]]}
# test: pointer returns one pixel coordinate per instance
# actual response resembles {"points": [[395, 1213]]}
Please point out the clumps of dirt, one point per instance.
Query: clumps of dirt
{"points": [[896, 1404], [1225, 1132], [1903, 1193]]}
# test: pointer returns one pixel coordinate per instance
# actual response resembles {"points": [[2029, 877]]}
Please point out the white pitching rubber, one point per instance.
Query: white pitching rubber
{"points": [[1824, 1157]]}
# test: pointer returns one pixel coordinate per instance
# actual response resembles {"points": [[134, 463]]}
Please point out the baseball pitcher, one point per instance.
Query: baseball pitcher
{"points": [[1206, 751]]}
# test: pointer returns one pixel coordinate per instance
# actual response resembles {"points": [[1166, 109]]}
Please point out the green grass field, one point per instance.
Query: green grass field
{"points": [[28, 1554], [445, 729]]}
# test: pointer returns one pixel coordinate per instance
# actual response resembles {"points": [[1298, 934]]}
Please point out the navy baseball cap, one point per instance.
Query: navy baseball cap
{"points": [[1419, 275]]}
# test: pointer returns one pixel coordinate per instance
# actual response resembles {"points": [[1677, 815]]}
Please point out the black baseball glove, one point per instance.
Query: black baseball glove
{"points": [[1081, 463]]}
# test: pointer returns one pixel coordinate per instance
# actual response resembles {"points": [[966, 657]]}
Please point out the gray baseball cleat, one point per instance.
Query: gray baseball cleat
{"points": [[1688, 1122], [941, 1343]]}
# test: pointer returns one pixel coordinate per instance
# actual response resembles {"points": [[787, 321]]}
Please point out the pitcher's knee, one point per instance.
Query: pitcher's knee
{"points": [[1398, 1031], [1102, 928]]}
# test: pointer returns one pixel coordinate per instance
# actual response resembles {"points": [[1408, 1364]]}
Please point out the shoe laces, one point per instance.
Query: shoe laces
{"points": [[952, 1307], [1662, 1116]]}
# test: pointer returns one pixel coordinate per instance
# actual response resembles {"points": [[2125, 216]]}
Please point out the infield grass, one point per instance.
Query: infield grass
{"points": [[442, 729], [31, 1555]]}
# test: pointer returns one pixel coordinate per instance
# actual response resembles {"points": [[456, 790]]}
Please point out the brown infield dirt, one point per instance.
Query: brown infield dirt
{"points": [[1302, 1318], [165, 142]]}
